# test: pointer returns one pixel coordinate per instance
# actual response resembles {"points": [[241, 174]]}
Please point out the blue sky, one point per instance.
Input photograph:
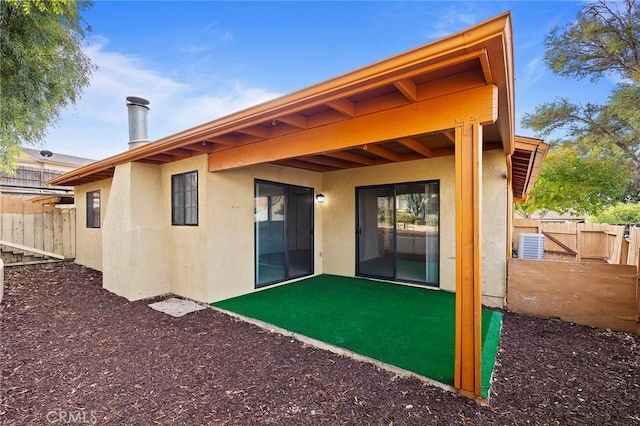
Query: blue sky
{"points": [[200, 60]]}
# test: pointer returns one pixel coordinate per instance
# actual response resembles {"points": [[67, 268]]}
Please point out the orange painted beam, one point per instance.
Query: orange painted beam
{"points": [[468, 341], [431, 115]]}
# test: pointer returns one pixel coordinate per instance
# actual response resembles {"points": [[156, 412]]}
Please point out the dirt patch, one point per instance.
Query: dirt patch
{"points": [[74, 353]]}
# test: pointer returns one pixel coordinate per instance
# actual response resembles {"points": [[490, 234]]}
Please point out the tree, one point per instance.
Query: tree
{"points": [[604, 40], [621, 213], [573, 183], [43, 69]]}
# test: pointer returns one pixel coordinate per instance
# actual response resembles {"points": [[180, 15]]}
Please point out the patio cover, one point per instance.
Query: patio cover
{"points": [[451, 97]]}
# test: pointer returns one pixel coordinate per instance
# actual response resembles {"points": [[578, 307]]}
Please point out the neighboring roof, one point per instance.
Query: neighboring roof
{"points": [[45, 156], [300, 129], [526, 162]]}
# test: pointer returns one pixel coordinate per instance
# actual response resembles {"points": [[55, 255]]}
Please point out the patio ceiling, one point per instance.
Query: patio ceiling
{"points": [[316, 117]]}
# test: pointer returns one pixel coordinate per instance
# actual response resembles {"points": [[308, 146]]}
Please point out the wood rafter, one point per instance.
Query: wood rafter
{"points": [[327, 161], [382, 152], [354, 158], [295, 120], [343, 106], [416, 146], [256, 131], [420, 117], [203, 147], [408, 88]]}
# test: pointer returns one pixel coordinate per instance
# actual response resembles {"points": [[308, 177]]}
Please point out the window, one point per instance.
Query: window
{"points": [[93, 209], [184, 199]]}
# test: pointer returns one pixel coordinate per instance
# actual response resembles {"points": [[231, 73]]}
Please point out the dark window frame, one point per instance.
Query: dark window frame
{"points": [[184, 199], [93, 211]]}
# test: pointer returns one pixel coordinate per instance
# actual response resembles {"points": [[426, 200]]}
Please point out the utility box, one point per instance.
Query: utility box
{"points": [[531, 246]]}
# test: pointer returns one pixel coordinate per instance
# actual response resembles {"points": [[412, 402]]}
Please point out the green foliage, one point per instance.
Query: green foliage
{"points": [[621, 213], [573, 183], [43, 69], [604, 39]]}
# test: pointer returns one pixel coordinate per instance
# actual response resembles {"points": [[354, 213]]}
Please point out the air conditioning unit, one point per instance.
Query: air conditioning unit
{"points": [[531, 246]]}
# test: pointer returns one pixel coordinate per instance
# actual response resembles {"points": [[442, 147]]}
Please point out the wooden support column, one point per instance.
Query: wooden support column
{"points": [[468, 348]]}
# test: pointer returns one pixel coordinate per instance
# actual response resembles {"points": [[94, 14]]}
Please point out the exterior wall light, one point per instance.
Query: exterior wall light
{"points": [[320, 198]]}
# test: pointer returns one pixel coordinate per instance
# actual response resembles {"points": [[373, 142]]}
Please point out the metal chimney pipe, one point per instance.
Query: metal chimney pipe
{"points": [[138, 127]]}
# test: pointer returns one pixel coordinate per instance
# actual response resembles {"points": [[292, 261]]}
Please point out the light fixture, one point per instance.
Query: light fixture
{"points": [[320, 198]]}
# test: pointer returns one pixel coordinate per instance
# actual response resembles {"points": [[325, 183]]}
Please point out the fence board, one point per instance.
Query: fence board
{"points": [[599, 295], [591, 242]]}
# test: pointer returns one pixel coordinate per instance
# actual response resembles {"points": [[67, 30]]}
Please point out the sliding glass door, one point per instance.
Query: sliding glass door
{"points": [[283, 232], [398, 234]]}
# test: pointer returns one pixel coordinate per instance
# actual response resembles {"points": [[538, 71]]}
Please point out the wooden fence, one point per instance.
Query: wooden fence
{"points": [[595, 294], [584, 242], [32, 233], [588, 275]]}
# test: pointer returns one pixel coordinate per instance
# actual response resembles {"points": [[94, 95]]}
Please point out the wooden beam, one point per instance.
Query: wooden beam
{"points": [[354, 158], [257, 131], [295, 120], [486, 68], [343, 106], [224, 140], [420, 117], [382, 152], [408, 88], [468, 352], [326, 161], [416, 146]]}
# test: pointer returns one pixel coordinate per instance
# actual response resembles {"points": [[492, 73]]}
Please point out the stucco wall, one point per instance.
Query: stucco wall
{"points": [[495, 210], [230, 239], [340, 211], [188, 258], [135, 256], [89, 240], [143, 255], [339, 217]]}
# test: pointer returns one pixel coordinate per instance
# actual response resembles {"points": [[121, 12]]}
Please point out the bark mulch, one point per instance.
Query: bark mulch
{"points": [[72, 353]]}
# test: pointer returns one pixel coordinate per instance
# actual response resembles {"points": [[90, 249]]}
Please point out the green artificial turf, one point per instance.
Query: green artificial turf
{"points": [[412, 328]]}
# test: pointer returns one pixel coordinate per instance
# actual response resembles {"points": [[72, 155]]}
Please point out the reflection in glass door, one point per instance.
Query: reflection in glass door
{"points": [[398, 232], [375, 232], [283, 232]]}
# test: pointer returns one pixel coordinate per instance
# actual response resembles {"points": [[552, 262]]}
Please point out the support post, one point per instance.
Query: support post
{"points": [[468, 347]]}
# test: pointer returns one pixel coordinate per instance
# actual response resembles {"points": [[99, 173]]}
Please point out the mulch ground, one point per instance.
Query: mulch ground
{"points": [[72, 353]]}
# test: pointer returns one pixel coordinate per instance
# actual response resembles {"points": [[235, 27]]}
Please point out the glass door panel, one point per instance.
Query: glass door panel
{"points": [[417, 232], [300, 231], [376, 232], [398, 234], [283, 232], [269, 230]]}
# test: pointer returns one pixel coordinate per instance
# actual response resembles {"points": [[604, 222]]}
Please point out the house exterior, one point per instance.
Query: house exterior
{"points": [[415, 158], [34, 169]]}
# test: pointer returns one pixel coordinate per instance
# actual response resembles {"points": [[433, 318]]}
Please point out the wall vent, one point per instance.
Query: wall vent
{"points": [[531, 246]]}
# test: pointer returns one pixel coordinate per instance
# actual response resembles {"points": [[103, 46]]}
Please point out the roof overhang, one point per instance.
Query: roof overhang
{"points": [[348, 121], [526, 162]]}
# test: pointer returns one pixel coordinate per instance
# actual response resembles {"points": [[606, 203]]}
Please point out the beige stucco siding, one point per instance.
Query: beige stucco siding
{"points": [[340, 214], [135, 256], [186, 247], [340, 211], [89, 240], [231, 260], [495, 209], [143, 255]]}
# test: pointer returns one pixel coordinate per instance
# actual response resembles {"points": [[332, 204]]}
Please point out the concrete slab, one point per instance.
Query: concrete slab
{"points": [[177, 307]]}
